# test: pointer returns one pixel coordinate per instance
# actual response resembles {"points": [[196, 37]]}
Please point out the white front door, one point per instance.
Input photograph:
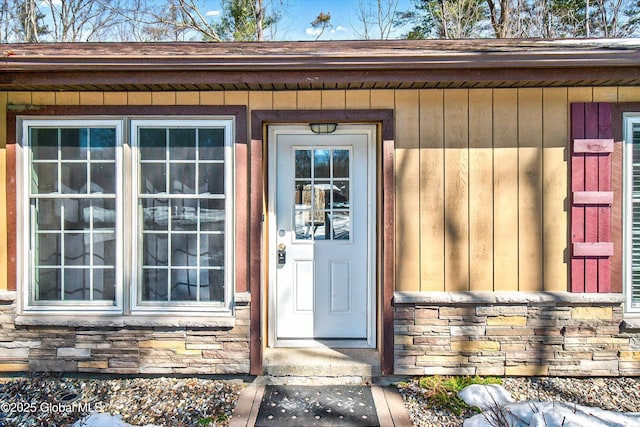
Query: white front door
{"points": [[322, 234]]}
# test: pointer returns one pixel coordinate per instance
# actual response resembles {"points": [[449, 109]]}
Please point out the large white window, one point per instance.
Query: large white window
{"points": [[632, 212], [127, 215]]}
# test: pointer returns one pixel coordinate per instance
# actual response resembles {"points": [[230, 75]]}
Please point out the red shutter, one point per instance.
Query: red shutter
{"points": [[591, 197]]}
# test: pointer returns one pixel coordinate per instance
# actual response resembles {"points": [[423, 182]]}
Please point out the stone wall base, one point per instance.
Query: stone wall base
{"points": [[124, 350], [495, 334], [520, 334]]}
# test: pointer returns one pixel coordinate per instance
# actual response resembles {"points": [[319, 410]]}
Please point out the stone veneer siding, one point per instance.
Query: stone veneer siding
{"points": [[145, 346], [514, 334]]}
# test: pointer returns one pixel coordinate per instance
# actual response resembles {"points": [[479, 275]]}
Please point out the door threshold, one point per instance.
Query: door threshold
{"points": [[326, 343]]}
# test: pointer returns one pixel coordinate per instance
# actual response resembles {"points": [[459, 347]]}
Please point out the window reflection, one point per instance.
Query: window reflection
{"points": [[341, 163], [74, 143], [77, 284], [44, 143], [211, 144], [152, 144], [303, 164], [181, 144], [184, 284], [321, 163], [341, 226], [102, 147]]}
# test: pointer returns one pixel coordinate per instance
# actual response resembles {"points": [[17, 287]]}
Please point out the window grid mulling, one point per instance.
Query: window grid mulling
{"points": [[88, 234], [331, 179], [195, 196], [635, 228]]}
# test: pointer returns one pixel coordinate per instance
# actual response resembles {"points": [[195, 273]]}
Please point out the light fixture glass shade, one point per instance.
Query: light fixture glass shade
{"points": [[323, 127]]}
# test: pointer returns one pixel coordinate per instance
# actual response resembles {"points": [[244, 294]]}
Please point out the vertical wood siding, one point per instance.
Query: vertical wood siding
{"points": [[530, 254], [456, 190], [494, 179], [554, 188], [481, 175], [480, 190], [408, 187], [505, 189], [432, 220]]}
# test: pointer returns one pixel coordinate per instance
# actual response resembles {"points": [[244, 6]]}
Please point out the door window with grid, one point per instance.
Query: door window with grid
{"points": [[321, 194]]}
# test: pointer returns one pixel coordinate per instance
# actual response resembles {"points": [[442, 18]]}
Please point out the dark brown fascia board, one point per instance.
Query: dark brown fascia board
{"points": [[292, 63], [321, 75], [265, 63], [334, 57], [341, 55]]}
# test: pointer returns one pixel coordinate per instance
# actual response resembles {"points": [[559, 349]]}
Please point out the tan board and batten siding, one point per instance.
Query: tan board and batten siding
{"points": [[481, 174]]}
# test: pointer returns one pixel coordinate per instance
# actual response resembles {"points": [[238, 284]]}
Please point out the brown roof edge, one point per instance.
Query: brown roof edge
{"points": [[340, 55], [87, 66]]}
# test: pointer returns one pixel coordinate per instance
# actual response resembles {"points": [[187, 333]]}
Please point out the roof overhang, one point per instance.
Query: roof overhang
{"points": [[322, 65]]}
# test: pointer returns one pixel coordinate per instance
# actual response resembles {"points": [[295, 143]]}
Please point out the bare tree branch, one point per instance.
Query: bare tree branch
{"points": [[378, 14], [195, 20]]}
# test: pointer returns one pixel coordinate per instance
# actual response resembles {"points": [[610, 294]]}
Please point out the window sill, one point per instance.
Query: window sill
{"points": [[119, 321]]}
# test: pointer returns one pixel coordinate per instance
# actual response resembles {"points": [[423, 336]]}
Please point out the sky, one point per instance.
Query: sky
{"points": [[296, 24]]}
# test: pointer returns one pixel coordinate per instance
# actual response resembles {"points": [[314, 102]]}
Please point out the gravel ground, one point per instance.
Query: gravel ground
{"points": [[614, 394], [59, 401]]}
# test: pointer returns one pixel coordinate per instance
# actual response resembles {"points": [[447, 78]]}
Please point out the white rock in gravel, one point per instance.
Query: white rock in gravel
{"points": [[553, 414], [97, 419], [486, 396]]}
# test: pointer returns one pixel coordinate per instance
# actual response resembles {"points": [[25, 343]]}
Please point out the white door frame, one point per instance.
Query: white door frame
{"points": [[271, 306]]}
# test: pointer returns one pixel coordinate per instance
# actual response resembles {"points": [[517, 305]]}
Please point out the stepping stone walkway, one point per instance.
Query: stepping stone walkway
{"points": [[299, 406]]}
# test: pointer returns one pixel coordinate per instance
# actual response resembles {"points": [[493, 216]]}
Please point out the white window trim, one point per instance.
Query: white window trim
{"points": [[24, 228], [629, 119], [126, 202], [159, 307]]}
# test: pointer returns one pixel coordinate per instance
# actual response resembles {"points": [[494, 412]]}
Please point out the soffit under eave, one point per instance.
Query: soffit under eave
{"points": [[318, 79], [324, 86]]}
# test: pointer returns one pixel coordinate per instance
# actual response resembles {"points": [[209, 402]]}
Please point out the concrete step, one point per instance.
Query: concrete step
{"points": [[320, 365]]}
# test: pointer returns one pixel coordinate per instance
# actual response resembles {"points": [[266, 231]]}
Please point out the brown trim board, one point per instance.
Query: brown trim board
{"points": [[617, 111], [386, 235], [241, 167], [259, 118], [239, 111], [12, 215], [102, 79], [388, 254], [256, 209], [617, 181]]}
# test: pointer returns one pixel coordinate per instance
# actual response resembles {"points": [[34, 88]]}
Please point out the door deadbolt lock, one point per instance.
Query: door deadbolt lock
{"points": [[282, 254]]}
